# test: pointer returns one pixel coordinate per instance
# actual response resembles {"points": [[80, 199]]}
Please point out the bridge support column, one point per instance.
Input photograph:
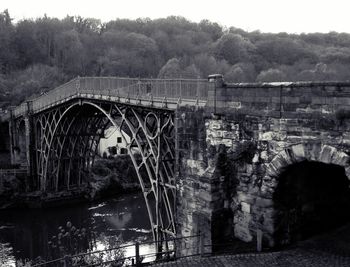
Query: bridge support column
{"points": [[10, 142], [20, 135], [203, 185], [5, 154], [28, 144], [12, 139]]}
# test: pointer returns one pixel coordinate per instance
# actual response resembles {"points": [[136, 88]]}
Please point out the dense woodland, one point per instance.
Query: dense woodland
{"points": [[37, 55]]}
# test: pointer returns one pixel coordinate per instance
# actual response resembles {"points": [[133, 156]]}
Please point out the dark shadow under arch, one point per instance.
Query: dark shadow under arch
{"points": [[311, 198]]}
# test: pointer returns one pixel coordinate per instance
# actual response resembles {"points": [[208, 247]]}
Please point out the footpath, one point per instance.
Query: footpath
{"points": [[332, 249]]}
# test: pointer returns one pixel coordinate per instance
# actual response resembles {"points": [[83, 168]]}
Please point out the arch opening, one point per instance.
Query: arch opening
{"points": [[73, 147], [311, 198]]}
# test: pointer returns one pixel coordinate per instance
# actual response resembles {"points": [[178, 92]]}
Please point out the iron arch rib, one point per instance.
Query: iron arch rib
{"points": [[153, 159]]}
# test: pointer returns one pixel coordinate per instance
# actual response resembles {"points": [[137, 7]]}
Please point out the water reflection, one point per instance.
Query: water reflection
{"points": [[122, 220], [6, 255]]}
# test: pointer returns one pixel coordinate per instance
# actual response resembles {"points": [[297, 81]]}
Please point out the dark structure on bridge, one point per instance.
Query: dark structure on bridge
{"points": [[224, 159]]}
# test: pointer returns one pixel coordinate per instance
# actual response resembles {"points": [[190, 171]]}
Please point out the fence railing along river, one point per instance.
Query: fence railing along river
{"points": [[126, 255], [130, 255]]}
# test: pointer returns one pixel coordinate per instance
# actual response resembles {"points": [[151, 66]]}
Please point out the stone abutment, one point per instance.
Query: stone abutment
{"points": [[231, 162]]}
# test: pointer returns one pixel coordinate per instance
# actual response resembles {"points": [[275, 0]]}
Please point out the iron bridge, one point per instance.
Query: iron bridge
{"points": [[58, 134]]}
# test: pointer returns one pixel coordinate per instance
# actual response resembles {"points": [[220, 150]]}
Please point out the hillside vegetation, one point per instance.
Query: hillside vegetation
{"points": [[37, 55]]}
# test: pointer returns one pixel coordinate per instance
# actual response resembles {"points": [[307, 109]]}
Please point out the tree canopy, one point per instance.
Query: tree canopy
{"points": [[37, 55]]}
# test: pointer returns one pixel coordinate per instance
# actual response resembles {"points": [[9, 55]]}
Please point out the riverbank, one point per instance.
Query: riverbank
{"points": [[109, 177]]}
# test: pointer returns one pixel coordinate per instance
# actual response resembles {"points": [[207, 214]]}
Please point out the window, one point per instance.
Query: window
{"points": [[119, 140]]}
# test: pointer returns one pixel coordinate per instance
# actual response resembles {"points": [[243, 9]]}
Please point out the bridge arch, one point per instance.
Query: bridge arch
{"points": [[312, 152], [81, 124], [51, 128], [50, 141], [311, 191]]}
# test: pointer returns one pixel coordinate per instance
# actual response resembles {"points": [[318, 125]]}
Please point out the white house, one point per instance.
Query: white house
{"points": [[113, 138]]}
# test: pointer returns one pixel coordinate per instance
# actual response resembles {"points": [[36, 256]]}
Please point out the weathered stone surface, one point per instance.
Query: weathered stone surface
{"points": [[271, 170], [277, 164], [242, 233], [269, 182], [263, 202], [326, 154], [266, 191], [242, 197], [340, 158], [221, 132], [245, 207], [299, 152], [347, 172]]}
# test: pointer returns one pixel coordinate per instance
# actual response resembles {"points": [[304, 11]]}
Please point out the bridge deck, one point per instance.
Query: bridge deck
{"points": [[154, 92], [169, 93]]}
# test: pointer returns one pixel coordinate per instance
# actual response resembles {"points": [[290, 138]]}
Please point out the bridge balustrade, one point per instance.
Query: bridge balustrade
{"points": [[64, 91], [195, 89], [125, 87]]}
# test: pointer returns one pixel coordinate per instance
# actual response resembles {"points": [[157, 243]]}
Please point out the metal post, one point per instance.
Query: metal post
{"points": [[158, 193], [12, 138], [77, 85], [66, 261], [139, 88], [29, 139], [198, 93], [109, 88], [181, 90], [214, 97], [100, 85], [137, 254]]}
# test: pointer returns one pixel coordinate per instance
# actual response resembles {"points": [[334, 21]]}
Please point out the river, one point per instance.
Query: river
{"points": [[26, 233]]}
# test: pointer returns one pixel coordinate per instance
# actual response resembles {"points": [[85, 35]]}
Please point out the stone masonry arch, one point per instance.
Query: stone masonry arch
{"points": [[311, 152], [295, 154], [255, 208]]}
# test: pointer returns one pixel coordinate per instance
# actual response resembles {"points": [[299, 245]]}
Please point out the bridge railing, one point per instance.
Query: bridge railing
{"points": [[192, 89], [62, 92], [126, 87]]}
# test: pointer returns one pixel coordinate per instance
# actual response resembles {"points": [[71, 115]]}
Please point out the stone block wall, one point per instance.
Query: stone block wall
{"points": [[260, 148], [287, 100], [202, 200]]}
